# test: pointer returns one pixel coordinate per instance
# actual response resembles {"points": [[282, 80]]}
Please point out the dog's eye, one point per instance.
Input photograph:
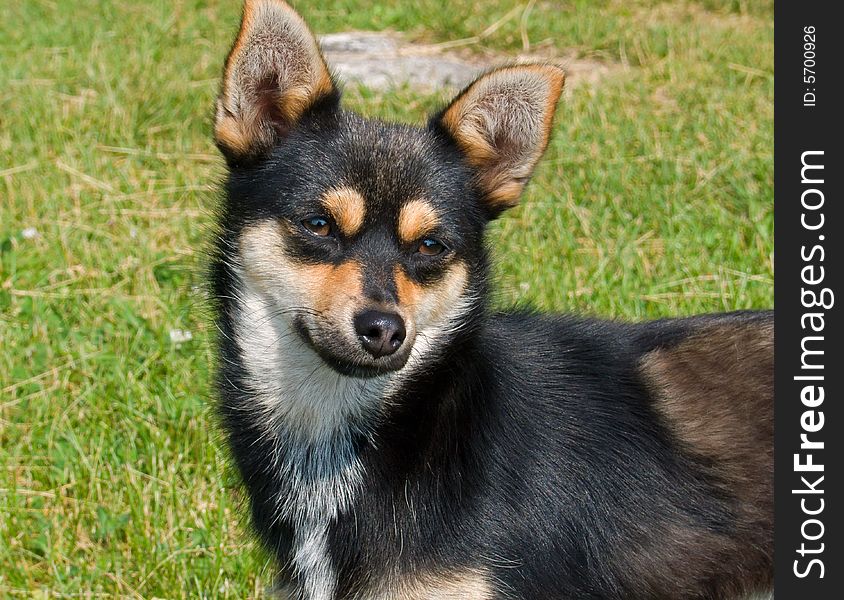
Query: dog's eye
{"points": [[319, 226], [431, 247]]}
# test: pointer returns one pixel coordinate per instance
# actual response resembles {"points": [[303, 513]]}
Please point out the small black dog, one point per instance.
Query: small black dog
{"points": [[398, 438]]}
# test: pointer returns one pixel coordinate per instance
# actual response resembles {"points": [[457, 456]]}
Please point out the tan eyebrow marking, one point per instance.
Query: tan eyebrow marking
{"points": [[416, 218], [347, 207]]}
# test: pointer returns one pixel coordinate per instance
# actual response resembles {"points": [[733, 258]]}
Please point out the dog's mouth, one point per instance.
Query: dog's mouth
{"points": [[347, 359]]}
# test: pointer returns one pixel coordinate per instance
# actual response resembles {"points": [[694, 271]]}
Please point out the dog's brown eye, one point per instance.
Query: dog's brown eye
{"points": [[318, 226], [431, 247]]}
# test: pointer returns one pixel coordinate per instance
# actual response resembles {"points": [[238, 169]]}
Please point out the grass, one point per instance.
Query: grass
{"points": [[655, 198]]}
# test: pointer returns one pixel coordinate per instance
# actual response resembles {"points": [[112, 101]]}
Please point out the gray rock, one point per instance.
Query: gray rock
{"points": [[381, 60]]}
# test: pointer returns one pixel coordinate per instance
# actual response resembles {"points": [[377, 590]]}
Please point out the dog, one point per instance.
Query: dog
{"points": [[400, 439]]}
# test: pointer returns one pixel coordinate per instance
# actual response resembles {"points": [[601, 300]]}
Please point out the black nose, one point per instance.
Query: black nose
{"points": [[380, 333]]}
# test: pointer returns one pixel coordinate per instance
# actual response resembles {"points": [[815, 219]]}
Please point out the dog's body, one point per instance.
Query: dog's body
{"points": [[397, 438]]}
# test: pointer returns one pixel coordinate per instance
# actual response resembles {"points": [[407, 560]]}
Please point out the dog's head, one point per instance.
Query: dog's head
{"points": [[366, 237]]}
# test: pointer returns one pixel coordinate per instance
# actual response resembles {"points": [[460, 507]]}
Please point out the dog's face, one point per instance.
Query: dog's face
{"points": [[366, 237], [363, 235]]}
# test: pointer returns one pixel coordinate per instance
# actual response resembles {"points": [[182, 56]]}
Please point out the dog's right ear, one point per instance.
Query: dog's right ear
{"points": [[273, 75]]}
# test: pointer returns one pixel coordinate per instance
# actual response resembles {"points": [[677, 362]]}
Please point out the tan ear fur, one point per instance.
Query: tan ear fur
{"points": [[273, 74], [502, 122]]}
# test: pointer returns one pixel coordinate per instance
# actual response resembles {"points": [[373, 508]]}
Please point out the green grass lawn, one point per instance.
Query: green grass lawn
{"points": [[655, 198]]}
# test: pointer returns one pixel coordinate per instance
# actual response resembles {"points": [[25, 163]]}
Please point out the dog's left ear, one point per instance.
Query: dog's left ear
{"points": [[501, 123]]}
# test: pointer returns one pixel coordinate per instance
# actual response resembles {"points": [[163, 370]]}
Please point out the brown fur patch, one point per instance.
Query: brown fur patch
{"points": [[273, 73], [714, 391], [692, 559], [347, 207], [416, 218], [502, 123]]}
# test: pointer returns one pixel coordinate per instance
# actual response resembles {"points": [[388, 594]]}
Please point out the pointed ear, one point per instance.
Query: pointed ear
{"points": [[501, 123], [273, 75]]}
